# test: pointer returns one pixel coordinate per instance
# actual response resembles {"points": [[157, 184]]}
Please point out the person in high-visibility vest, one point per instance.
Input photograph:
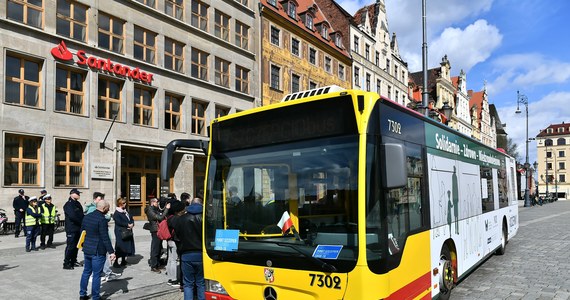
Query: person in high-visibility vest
{"points": [[32, 222], [48, 211]]}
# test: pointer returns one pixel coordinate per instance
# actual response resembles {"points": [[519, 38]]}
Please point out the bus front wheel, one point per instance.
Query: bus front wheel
{"points": [[447, 273], [504, 238]]}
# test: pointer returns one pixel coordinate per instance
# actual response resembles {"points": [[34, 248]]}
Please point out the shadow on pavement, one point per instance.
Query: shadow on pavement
{"points": [[6, 267], [110, 288]]}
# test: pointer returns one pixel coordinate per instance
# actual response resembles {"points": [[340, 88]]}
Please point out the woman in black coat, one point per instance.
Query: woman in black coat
{"points": [[123, 221]]}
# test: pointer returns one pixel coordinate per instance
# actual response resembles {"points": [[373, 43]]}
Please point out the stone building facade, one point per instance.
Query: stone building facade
{"points": [[552, 145], [93, 91]]}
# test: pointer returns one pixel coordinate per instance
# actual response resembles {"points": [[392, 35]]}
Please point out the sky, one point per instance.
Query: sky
{"points": [[505, 45]]}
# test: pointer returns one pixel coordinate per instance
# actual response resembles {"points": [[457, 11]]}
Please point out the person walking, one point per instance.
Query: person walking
{"points": [[32, 222], [154, 216], [73, 219], [107, 274], [20, 205], [123, 223], [47, 222], [188, 229], [96, 246]]}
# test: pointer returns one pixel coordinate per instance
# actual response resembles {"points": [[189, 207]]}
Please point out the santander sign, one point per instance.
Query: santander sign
{"points": [[106, 65]]}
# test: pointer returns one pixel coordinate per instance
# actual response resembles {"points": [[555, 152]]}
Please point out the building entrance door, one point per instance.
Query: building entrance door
{"points": [[140, 179]]}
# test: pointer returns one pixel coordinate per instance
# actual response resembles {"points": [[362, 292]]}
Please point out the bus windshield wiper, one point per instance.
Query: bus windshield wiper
{"points": [[319, 262]]}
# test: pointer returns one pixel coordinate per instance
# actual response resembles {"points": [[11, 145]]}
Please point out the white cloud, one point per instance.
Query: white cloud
{"points": [[465, 48], [525, 71], [541, 114]]}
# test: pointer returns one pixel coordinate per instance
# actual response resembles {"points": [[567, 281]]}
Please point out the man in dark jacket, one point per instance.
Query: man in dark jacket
{"points": [[20, 205], [154, 216], [95, 248], [188, 228], [73, 219]]}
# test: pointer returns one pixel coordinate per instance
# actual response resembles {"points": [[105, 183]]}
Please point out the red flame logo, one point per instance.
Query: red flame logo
{"points": [[61, 52]]}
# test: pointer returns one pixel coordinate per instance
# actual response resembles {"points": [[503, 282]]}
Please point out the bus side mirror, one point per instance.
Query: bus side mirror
{"points": [[394, 170]]}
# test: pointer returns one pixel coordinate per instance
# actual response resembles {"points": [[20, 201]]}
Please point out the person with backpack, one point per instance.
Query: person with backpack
{"points": [[154, 216], [165, 232]]}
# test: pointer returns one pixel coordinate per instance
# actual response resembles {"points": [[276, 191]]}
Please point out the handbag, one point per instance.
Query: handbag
{"points": [[146, 226], [126, 234]]}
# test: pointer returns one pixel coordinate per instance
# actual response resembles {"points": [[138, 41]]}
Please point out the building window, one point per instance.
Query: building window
{"points": [[173, 55], [325, 32], [72, 20], [22, 160], [111, 33], [295, 83], [560, 129], [389, 92], [338, 40], [548, 154], [172, 112], [275, 36], [368, 82], [243, 2], [242, 79], [356, 76], [313, 56], [548, 142], [403, 76], [292, 10], [199, 15], [221, 111], [275, 82], [395, 70], [367, 51], [397, 96], [109, 99], [174, 8], [242, 35], [340, 72], [561, 141], [149, 3], [69, 163], [222, 72], [328, 64], [222, 26], [561, 165], [199, 64], [356, 46], [549, 130], [144, 45], [143, 107], [561, 178], [378, 86], [69, 90], [272, 2], [561, 153], [295, 46], [549, 166], [377, 59], [198, 118], [313, 85], [309, 22], [388, 66], [29, 12], [23, 77]]}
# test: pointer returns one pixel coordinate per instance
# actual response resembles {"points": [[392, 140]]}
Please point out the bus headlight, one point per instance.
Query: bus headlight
{"points": [[213, 286]]}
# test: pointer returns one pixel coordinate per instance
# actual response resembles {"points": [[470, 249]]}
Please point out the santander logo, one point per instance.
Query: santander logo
{"points": [[100, 64], [61, 52]]}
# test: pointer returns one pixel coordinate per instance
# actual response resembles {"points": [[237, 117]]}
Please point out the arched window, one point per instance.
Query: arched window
{"points": [[561, 141], [548, 142]]}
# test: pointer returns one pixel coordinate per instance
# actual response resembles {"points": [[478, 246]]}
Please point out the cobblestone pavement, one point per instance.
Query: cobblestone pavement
{"points": [[536, 266]]}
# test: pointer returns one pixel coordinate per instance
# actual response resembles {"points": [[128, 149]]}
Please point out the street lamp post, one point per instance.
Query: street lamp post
{"points": [[522, 99], [536, 193]]}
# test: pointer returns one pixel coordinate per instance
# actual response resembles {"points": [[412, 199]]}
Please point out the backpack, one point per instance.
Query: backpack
{"points": [[164, 233]]}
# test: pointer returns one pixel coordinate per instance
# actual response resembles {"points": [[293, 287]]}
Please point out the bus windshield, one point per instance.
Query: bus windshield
{"points": [[313, 181]]}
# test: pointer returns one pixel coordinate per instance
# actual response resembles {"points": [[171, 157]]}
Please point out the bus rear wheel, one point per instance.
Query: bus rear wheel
{"points": [[504, 237], [447, 273]]}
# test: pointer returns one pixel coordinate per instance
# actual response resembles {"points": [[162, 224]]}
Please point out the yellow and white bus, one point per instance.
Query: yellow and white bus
{"points": [[342, 194]]}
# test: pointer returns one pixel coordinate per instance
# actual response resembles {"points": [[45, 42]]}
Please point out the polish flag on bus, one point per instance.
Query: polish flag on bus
{"points": [[285, 223]]}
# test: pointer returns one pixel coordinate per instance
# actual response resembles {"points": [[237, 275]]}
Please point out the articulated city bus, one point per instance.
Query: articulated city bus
{"points": [[342, 194]]}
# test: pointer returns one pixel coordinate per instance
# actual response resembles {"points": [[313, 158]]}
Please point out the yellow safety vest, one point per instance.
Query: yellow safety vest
{"points": [[47, 216], [30, 220]]}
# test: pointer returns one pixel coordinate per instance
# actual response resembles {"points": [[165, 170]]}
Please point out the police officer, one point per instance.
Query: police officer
{"points": [[32, 223], [48, 211], [73, 219], [20, 205]]}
